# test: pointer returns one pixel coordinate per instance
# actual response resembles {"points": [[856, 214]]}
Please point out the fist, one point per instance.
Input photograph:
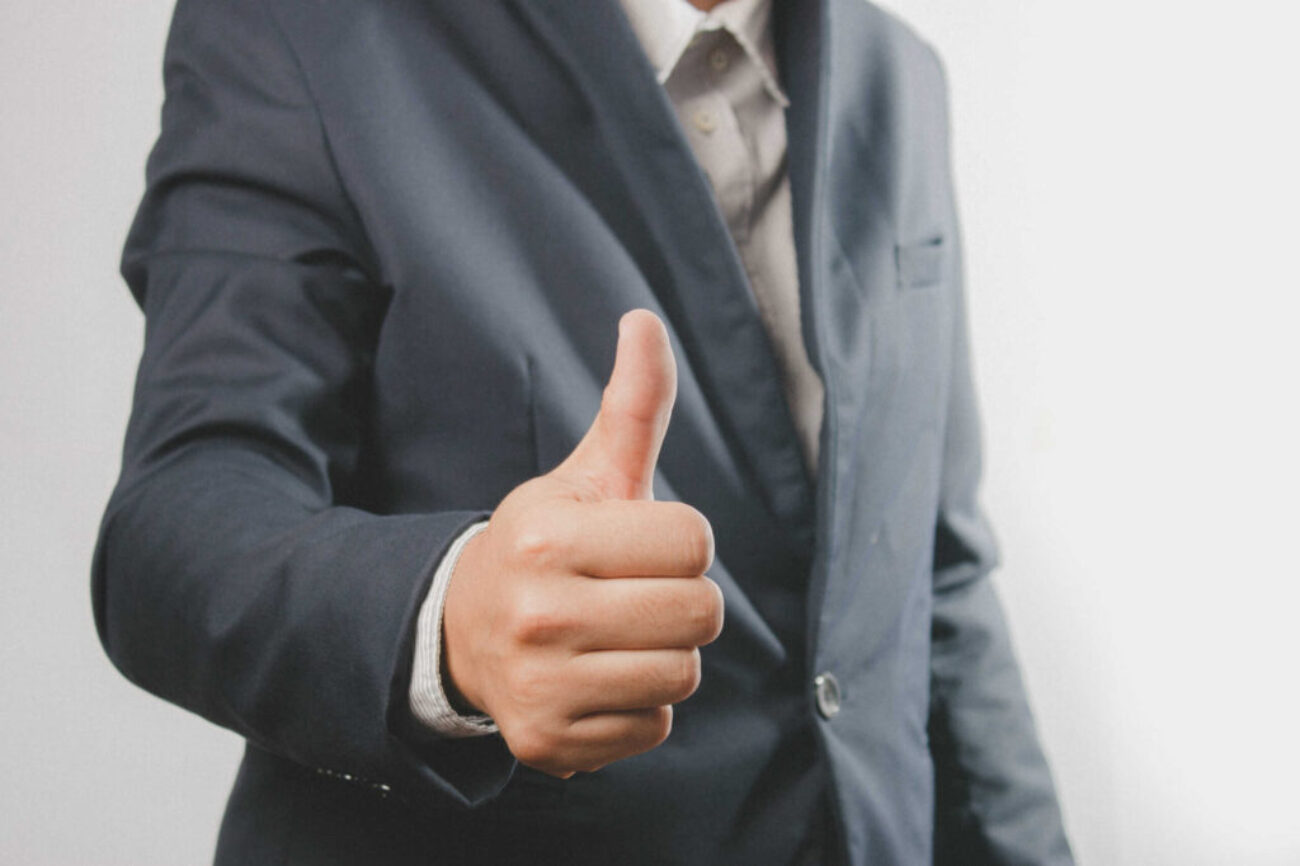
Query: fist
{"points": [[575, 618]]}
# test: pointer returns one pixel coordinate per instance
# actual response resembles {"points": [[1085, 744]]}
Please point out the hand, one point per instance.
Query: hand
{"points": [[574, 619]]}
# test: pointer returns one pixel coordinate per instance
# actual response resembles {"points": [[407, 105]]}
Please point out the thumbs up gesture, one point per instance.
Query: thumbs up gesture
{"points": [[574, 619]]}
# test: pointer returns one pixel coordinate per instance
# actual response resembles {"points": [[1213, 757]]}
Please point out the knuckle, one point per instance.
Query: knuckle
{"points": [[649, 730], [526, 687], [712, 612], [699, 606], [697, 540], [534, 748], [543, 537], [684, 677], [534, 545], [545, 541], [535, 619], [660, 726]]}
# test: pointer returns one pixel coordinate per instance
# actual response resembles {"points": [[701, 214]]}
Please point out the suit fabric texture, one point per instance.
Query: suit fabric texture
{"points": [[381, 256]]}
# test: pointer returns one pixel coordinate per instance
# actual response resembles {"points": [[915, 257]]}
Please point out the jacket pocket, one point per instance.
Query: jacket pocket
{"points": [[920, 263]]}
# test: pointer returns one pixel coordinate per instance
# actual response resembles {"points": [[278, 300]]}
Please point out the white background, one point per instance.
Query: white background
{"points": [[1128, 177]]}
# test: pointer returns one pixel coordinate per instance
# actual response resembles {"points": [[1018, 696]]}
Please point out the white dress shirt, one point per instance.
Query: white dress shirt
{"points": [[719, 71]]}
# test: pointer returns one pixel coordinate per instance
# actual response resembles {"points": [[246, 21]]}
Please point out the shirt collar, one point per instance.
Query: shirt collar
{"points": [[665, 29]]}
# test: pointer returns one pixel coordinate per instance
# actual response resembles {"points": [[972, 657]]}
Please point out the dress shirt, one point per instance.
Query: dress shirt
{"points": [[719, 71]]}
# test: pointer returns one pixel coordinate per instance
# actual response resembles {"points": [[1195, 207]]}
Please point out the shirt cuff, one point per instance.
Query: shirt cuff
{"points": [[429, 703]]}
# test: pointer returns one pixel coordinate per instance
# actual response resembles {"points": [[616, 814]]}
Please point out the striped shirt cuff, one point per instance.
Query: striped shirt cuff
{"points": [[428, 699]]}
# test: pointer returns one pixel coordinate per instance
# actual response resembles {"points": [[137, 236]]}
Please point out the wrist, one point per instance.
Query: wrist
{"points": [[455, 699], [433, 703], [456, 673]]}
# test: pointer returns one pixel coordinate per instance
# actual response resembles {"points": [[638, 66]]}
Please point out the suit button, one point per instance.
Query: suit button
{"points": [[827, 690]]}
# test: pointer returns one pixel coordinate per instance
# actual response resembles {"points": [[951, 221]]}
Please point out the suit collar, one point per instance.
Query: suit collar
{"points": [[665, 29]]}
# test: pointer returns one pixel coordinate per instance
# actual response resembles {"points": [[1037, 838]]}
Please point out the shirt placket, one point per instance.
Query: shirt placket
{"points": [[706, 108]]}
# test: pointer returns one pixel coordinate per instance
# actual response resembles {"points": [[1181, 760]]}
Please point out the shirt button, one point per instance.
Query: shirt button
{"points": [[719, 59], [704, 121], [827, 690]]}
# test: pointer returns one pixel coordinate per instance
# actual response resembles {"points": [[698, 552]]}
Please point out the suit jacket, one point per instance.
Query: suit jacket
{"points": [[381, 254]]}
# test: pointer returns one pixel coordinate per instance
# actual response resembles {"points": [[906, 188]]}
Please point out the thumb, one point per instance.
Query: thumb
{"points": [[620, 450]]}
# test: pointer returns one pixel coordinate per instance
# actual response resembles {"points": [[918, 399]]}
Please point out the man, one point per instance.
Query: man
{"points": [[367, 521]]}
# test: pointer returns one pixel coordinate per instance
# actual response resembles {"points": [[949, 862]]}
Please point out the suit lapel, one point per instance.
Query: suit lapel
{"points": [[803, 53], [648, 187], [800, 59]]}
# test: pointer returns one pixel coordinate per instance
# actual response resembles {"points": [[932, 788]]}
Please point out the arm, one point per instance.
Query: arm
{"points": [[995, 799], [236, 573]]}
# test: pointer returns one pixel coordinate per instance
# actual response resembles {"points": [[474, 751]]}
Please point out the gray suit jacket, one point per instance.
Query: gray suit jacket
{"points": [[381, 255]]}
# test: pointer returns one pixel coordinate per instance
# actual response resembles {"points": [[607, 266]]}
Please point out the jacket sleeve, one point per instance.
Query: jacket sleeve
{"points": [[237, 571], [995, 801]]}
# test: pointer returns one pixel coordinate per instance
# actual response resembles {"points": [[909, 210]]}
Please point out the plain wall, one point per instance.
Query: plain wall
{"points": [[1127, 175]]}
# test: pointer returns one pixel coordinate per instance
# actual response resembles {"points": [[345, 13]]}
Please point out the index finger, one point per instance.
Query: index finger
{"points": [[639, 538]]}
